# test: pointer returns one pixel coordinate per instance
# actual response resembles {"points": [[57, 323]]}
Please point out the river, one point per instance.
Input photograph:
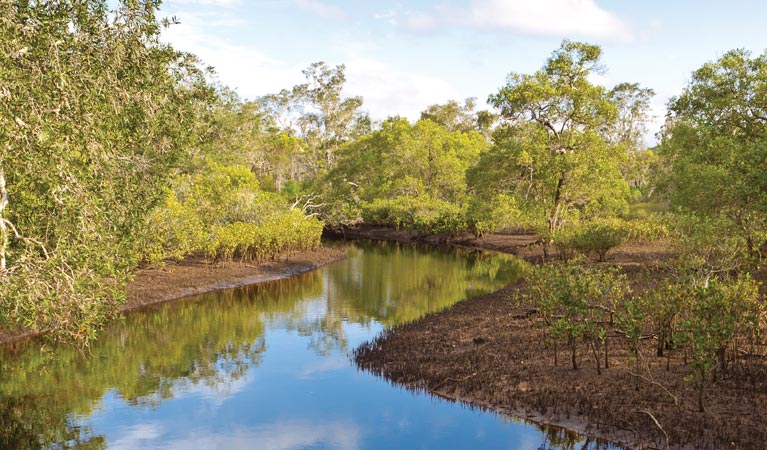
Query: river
{"points": [[264, 367]]}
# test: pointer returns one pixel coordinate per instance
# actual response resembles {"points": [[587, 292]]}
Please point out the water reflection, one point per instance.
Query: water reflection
{"points": [[262, 366]]}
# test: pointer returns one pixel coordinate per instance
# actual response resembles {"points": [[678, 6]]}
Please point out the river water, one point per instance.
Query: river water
{"points": [[264, 367]]}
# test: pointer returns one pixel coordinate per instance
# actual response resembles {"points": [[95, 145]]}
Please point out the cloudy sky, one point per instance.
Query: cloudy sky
{"points": [[402, 56]]}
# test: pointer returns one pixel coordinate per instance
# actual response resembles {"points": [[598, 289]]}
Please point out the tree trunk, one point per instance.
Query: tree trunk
{"points": [[595, 350], [554, 216], [4, 238], [573, 357]]}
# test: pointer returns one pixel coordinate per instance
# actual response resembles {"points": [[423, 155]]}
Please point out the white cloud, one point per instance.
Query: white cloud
{"points": [[337, 435], [322, 9], [250, 71], [559, 18], [315, 369], [550, 17], [388, 91], [136, 436]]}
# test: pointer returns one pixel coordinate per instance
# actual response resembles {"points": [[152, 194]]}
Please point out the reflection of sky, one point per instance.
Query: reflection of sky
{"points": [[299, 398], [270, 436]]}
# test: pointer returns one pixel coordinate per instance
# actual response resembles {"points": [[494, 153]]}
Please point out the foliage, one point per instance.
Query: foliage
{"points": [[106, 114], [714, 141], [318, 115], [597, 239], [577, 302], [718, 311], [500, 212], [710, 246], [556, 148], [177, 231], [422, 166], [664, 304], [222, 213], [455, 117], [425, 214]]}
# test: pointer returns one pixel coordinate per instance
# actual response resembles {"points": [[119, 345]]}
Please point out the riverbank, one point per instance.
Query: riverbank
{"points": [[631, 257], [490, 352], [193, 276]]}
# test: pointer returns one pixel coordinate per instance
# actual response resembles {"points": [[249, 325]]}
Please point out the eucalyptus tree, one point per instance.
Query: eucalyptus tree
{"points": [[317, 112], [629, 131]]}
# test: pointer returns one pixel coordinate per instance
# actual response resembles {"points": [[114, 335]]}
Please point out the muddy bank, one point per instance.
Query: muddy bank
{"points": [[195, 276], [519, 243], [492, 352]]}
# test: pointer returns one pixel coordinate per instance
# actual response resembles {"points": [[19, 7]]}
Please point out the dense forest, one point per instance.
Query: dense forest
{"points": [[120, 152]]}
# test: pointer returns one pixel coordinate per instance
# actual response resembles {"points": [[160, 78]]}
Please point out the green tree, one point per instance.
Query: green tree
{"points": [[554, 151], [328, 118], [319, 114], [718, 312], [416, 170], [96, 112], [456, 117], [714, 141], [576, 302]]}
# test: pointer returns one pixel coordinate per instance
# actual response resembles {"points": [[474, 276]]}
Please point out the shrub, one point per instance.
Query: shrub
{"points": [[719, 311], [573, 300], [176, 232], [597, 239], [425, 214], [223, 214]]}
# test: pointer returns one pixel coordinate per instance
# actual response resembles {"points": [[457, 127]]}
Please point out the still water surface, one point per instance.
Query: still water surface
{"points": [[263, 367]]}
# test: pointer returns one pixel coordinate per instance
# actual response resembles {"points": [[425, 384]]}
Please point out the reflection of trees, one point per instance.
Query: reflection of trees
{"points": [[213, 340], [18, 414], [557, 438], [396, 283], [278, 304]]}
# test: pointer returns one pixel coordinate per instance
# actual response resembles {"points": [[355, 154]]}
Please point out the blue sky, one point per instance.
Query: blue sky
{"points": [[403, 56]]}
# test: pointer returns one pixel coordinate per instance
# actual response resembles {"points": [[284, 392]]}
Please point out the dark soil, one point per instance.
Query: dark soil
{"points": [[492, 352], [195, 276]]}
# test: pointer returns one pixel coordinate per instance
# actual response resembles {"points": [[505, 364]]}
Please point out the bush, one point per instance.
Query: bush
{"points": [[573, 300], [563, 242], [597, 239], [176, 232], [284, 233], [223, 214], [718, 312], [425, 214], [502, 212]]}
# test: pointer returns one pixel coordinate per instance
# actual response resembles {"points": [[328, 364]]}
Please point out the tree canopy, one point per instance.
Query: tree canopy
{"points": [[715, 141], [553, 152]]}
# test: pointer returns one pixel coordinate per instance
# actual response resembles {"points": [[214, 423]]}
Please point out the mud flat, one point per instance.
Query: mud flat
{"points": [[491, 352]]}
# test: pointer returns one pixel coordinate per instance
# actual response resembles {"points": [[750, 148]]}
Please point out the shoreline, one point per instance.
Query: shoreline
{"points": [[193, 276], [490, 352], [449, 387]]}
